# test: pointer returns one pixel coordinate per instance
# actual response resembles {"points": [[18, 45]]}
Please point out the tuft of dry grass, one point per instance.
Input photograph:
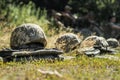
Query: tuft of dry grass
{"points": [[5, 37]]}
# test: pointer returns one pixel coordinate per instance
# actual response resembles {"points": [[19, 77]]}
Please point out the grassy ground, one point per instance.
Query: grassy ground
{"points": [[80, 68]]}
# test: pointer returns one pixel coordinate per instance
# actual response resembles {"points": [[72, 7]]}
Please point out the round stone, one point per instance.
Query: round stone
{"points": [[26, 34], [113, 42], [67, 42]]}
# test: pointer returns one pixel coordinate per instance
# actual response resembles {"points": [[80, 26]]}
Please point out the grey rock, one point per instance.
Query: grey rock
{"points": [[113, 42], [94, 45], [94, 41], [67, 42], [92, 52], [26, 34], [89, 51]]}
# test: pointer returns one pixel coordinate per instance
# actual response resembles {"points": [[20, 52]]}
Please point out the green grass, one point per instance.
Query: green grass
{"points": [[80, 68]]}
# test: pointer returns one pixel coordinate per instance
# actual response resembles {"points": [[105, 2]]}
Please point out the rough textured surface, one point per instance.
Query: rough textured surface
{"points": [[94, 41], [27, 34], [89, 51], [92, 45], [9, 55], [67, 42], [113, 42]]}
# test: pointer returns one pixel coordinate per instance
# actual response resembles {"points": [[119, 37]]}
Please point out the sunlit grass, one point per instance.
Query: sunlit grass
{"points": [[80, 68]]}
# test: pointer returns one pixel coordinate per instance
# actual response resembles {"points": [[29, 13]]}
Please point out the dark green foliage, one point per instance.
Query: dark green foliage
{"points": [[102, 8]]}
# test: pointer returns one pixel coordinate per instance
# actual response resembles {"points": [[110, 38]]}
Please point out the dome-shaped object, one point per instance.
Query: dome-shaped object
{"points": [[94, 45], [113, 42], [85, 32], [27, 34], [67, 42], [94, 41]]}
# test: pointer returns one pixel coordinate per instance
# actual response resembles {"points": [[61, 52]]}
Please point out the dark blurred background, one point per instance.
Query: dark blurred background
{"points": [[102, 8]]}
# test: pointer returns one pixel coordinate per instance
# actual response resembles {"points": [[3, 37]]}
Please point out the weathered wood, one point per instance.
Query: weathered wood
{"points": [[6, 53], [17, 53], [38, 52]]}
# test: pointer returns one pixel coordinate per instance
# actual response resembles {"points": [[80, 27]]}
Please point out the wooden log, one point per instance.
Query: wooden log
{"points": [[37, 52], [18, 53]]}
